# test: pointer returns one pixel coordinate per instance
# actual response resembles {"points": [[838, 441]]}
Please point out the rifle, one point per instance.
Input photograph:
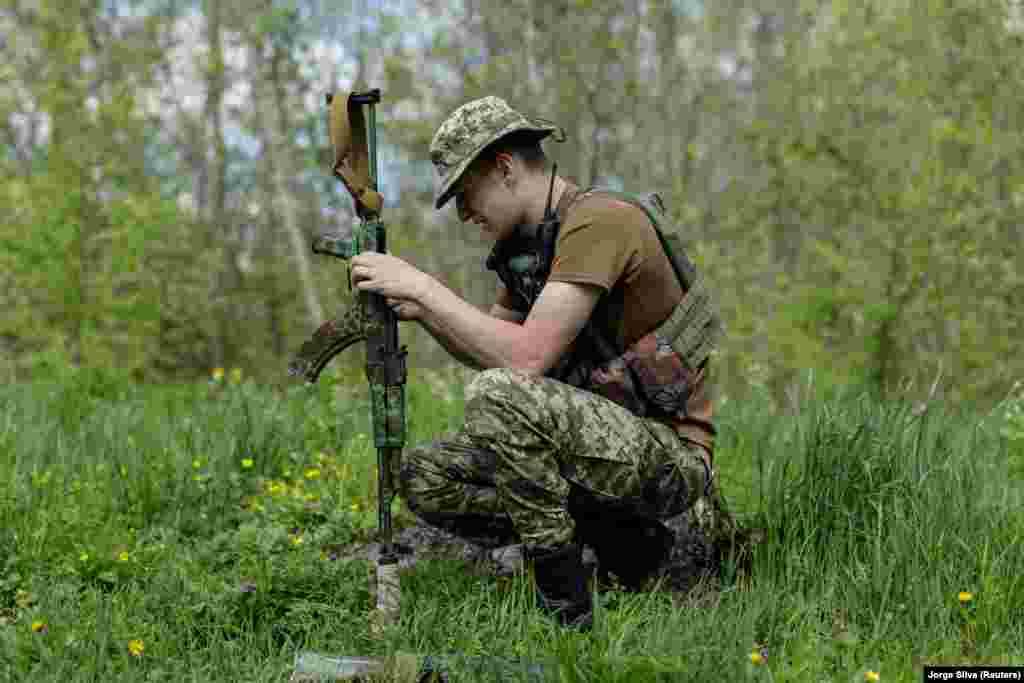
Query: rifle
{"points": [[372, 321]]}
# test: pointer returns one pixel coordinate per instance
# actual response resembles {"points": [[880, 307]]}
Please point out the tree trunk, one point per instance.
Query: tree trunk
{"points": [[278, 158], [211, 202]]}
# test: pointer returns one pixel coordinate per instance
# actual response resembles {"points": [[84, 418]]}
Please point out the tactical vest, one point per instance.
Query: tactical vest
{"points": [[655, 376]]}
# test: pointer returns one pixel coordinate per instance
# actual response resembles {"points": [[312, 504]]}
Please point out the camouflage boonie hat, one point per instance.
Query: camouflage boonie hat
{"points": [[468, 130]]}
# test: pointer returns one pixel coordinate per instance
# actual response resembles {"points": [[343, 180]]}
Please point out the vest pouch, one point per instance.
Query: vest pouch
{"points": [[614, 381], [660, 377]]}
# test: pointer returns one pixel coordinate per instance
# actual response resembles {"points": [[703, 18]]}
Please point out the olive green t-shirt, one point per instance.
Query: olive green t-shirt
{"points": [[610, 243]]}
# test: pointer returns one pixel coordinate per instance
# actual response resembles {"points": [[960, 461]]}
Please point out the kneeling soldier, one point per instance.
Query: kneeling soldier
{"points": [[591, 420]]}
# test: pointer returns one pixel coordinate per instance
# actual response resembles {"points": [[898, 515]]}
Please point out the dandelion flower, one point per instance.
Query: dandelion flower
{"points": [[355, 506], [218, 374], [39, 627], [246, 463], [124, 556], [756, 657], [136, 647], [965, 596], [871, 676], [296, 540], [312, 473]]}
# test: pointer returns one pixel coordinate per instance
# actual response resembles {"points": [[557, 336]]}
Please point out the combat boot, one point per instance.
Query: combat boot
{"points": [[562, 587], [711, 515], [633, 549]]}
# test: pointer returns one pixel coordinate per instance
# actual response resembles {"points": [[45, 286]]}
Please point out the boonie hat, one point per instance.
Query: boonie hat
{"points": [[468, 130]]}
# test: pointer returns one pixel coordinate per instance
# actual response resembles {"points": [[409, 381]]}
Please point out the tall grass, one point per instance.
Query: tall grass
{"points": [[201, 520]]}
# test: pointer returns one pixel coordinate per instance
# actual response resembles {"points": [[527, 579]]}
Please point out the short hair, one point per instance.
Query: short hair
{"points": [[524, 144]]}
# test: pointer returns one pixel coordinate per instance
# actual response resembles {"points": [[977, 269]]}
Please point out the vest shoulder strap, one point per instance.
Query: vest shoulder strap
{"points": [[652, 205], [694, 328]]}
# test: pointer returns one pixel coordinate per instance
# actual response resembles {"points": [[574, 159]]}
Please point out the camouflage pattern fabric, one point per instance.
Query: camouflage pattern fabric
{"points": [[527, 443], [468, 130]]}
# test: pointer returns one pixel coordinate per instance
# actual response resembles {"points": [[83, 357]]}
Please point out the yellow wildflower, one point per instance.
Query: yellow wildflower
{"points": [[756, 657], [136, 647], [124, 556], [965, 596], [871, 676], [296, 540], [246, 463], [236, 375], [39, 627], [312, 473], [355, 506], [218, 374]]}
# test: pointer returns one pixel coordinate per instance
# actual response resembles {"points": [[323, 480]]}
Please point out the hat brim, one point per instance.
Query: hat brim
{"points": [[448, 182]]}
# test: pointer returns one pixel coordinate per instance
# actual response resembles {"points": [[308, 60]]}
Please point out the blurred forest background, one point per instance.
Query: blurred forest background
{"points": [[849, 173]]}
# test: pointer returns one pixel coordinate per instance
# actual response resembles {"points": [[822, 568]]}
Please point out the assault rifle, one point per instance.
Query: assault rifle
{"points": [[372, 321]]}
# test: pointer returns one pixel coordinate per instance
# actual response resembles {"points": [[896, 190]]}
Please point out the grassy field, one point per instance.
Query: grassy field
{"points": [[185, 533]]}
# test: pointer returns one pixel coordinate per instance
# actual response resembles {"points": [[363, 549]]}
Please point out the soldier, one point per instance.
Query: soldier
{"points": [[585, 426]]}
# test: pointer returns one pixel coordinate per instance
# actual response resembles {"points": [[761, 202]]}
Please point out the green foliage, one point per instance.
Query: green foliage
{"points": [[180, 517], [857, 208], [881, 163], [280, 24]]}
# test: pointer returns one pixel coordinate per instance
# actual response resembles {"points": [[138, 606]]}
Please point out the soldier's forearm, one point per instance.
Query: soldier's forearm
{"points": [[478, 339], [449, 346]]}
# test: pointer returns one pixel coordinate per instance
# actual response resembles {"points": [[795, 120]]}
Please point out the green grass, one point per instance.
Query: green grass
{"points": [[132, 513]]}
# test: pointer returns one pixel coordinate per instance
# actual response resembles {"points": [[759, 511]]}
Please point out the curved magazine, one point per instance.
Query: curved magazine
{"points": [[333, 337]]}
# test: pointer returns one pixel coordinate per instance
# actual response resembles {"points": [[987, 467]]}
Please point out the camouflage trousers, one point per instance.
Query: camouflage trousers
{"points": [[532, 449]]}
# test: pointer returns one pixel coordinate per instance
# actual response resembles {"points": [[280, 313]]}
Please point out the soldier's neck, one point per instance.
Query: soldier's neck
{"points": [[535, 213]]}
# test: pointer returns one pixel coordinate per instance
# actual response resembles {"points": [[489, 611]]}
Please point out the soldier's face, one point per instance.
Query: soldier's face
{"points": [[484, 199]]}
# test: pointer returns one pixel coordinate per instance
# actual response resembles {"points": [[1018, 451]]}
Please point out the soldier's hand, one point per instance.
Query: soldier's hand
{"points": [[405, 309], [388, 276]]}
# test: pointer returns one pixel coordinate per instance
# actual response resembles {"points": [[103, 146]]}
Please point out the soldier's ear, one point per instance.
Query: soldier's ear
{"points": [[503, 163]]}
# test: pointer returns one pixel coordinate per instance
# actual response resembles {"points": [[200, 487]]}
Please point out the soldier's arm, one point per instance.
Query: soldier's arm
{"points": [[503, 313], [497, 311], [533, 347]]}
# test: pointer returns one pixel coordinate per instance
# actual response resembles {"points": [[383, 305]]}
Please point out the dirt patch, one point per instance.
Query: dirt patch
{"points": [[694, 558]]}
